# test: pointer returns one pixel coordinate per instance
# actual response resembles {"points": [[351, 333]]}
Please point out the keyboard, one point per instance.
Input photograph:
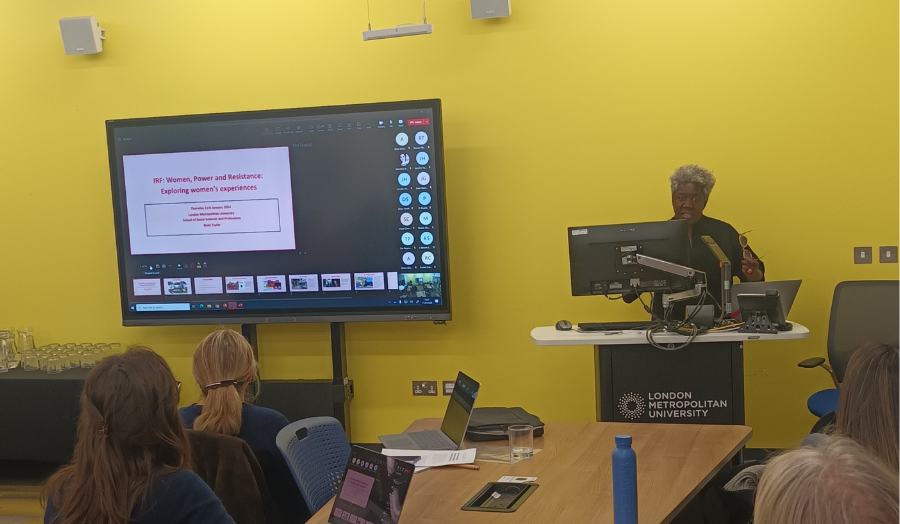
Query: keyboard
{"points": [[431, 439], [615, 326]]}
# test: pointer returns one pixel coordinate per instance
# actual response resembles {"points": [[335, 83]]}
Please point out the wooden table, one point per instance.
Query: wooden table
{"points": [[674, 462]]}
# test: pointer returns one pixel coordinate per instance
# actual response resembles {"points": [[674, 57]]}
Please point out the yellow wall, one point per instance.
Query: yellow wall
{"points": [[567, 113]]}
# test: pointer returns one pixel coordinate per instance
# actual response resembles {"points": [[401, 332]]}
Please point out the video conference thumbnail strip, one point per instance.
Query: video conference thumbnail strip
{"points": [[412, 284]]}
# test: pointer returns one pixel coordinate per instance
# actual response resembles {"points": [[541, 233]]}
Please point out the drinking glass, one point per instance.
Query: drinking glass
{"points": [[88, 359], [25, 339], [103, 351], [53, 365], [8, 356], [31, 361], [521, 442]]}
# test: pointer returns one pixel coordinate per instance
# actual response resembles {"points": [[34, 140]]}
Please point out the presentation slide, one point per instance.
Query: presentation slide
{"points": [[208, 285], [356, 488], [209, 201], [145, 287], [368, 281], [239, 285], [271, 284], [336, 282], [300, 283], [177, 286]]}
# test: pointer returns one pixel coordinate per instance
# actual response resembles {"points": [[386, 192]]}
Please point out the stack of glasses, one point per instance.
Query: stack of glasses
{"points": [[52, 358]]}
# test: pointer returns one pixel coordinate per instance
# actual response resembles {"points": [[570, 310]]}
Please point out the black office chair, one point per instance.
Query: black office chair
{"points": [[861, 312]]}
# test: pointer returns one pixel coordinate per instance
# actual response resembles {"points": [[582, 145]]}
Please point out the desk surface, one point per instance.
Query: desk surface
{"points": [[550, 336], [574, 473]]}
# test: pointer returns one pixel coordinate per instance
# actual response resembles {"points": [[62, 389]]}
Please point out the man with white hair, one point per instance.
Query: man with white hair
{"points": [[691, 186]]}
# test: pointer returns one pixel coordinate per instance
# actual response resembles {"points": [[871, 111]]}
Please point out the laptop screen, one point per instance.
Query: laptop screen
{"points": [[462, 400], [373, 489]]}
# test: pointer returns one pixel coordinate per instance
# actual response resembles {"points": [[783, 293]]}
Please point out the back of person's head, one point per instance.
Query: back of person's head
{"points": [[129, 431], [836, 482], [223, 367], [868, 406]]}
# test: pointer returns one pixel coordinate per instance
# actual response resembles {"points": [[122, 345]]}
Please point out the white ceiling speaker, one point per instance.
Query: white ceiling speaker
{"points": [[82, 35], [490, 9]]}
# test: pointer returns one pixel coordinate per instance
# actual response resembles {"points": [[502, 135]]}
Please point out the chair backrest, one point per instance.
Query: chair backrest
{"points": [[232, 471], [861, 312], [317, 450]]}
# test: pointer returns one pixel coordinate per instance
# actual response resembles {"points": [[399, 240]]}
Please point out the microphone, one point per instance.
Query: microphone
{"points": [[725, 266]]}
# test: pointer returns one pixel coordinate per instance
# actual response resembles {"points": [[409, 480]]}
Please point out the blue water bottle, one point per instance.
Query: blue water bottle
{"points": [[624, 477]]}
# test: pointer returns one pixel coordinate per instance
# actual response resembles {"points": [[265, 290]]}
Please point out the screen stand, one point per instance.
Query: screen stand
{"points": [[341, 385], [249, 332]]}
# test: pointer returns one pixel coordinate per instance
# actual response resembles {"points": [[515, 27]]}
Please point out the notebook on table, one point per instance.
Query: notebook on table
{"points": [[453, 428], [373, 489]]}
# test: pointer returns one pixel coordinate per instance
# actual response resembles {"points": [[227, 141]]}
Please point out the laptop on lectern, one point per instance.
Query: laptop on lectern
{"points": [[453, 428]]}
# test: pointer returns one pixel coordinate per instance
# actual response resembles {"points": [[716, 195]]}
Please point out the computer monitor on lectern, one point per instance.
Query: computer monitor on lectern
{"points": [[602, 258]]}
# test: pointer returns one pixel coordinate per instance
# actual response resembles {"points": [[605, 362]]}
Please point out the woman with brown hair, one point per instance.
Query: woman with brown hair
{"points": [[224, 367], [868, 406], [867, 414], [131, 457]]}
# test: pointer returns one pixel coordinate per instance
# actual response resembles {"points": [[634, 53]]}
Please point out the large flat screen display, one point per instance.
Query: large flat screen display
{"points": [[300, 215]]}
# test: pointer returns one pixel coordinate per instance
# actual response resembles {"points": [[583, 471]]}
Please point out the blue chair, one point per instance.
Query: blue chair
{"points": [[316, 450], [861, 312]]}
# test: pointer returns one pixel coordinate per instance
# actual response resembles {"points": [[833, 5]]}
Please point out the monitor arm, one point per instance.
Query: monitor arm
{"points": [[679, 271]]}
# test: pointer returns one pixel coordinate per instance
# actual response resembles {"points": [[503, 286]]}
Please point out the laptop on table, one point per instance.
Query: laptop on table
{"points": [[453, 428], [373, 489]]}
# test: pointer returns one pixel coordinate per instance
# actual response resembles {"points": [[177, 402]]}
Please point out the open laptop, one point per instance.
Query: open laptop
{"points": [[373, 489], [453, 429], [787, 292]]}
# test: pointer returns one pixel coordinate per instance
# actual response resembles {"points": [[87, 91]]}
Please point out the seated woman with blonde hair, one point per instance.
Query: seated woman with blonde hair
{"points": [[132, 457], [224, 367]]}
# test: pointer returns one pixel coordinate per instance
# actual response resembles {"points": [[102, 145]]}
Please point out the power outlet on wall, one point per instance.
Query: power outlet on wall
{"points": [[448, 387], [425, 388]]}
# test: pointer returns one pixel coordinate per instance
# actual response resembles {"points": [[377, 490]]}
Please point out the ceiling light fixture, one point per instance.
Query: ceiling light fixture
{"points": [[401, 30]]}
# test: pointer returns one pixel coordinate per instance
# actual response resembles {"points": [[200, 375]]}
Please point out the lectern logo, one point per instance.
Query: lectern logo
{"points": [[631, 406]]}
